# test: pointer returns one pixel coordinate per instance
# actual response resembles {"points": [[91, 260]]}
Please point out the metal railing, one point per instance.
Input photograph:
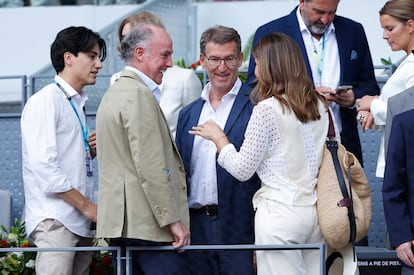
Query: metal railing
{"points": [[129, 249], [31, 84], [320, 247], [23, 85]]}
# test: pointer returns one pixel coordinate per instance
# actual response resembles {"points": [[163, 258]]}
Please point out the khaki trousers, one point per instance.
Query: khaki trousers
{"points": [[52, 233]]}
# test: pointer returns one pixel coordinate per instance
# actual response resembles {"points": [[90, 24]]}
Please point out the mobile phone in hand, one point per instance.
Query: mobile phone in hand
{"points": [[343, 88]]}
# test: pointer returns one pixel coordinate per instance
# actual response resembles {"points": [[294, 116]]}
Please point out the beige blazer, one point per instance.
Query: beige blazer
{"points": [[142, 185]]}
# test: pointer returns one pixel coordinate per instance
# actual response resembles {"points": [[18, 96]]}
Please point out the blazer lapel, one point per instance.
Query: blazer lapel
{"points": [[130, 74], [294, 32], [241, 100], [193, 121]]}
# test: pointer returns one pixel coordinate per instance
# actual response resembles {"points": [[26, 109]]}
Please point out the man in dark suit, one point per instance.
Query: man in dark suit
{"points": [[221, 210], [398, 189], [336, 52]]}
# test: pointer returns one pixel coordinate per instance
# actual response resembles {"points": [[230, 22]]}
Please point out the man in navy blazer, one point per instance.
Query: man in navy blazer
{"points": [[398, 189], [336, 52], [221, 210]]}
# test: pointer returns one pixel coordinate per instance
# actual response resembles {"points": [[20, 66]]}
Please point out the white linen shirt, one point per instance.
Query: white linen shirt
{"points": [[203, 181], [285, 153], [401, 79], [53, 157]]}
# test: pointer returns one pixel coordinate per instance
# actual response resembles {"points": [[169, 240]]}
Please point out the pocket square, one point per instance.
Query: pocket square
{"points": [[354, 55]]}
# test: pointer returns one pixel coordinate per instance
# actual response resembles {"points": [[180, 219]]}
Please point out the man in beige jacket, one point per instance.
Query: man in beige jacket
{"points": [[142, 189]]}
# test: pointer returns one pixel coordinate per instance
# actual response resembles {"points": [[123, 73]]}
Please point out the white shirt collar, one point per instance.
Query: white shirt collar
{"points": [[81, 97], [148, 81], [234, 90]]}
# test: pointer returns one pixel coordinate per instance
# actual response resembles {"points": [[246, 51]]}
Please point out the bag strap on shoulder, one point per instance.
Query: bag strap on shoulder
{"points": [[332, 146]]}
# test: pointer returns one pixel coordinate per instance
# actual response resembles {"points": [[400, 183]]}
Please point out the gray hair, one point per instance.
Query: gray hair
{"points": [[138, 36]]}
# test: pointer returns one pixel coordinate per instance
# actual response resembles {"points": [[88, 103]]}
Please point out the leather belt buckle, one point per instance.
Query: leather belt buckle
{"points": [[211, 210], [208, 210]]}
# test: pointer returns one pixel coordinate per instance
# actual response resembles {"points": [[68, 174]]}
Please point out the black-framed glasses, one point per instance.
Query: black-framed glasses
{"points": [[215, 61]]}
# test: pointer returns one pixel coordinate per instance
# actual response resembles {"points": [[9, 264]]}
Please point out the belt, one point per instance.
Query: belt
{"points": [[208, 210]]}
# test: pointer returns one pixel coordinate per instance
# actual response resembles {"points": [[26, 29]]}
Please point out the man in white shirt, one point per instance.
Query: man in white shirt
{"points": [[221, 210], [57, 150], [336, 52]]}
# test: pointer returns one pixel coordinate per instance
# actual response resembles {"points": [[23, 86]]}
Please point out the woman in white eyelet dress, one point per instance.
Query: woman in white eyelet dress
{"points": [[283, 144]]}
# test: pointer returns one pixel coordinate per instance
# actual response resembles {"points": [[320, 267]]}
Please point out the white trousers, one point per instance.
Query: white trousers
{"points": [[52, 233], [277, 223]]}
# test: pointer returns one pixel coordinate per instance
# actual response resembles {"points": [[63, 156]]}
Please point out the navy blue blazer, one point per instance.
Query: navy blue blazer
{"points": [[398, 184], [356, 66], [234, 197]]}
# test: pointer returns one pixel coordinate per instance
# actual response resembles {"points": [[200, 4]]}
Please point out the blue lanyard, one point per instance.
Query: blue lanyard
{"points": [[319, 59], [85, 130]]}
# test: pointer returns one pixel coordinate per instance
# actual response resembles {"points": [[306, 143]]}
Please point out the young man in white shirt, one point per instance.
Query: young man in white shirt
{"points": [[57, 149]]}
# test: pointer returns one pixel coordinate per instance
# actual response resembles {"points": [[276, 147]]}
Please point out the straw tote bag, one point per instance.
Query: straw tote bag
{"points": [[344, 195]]}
